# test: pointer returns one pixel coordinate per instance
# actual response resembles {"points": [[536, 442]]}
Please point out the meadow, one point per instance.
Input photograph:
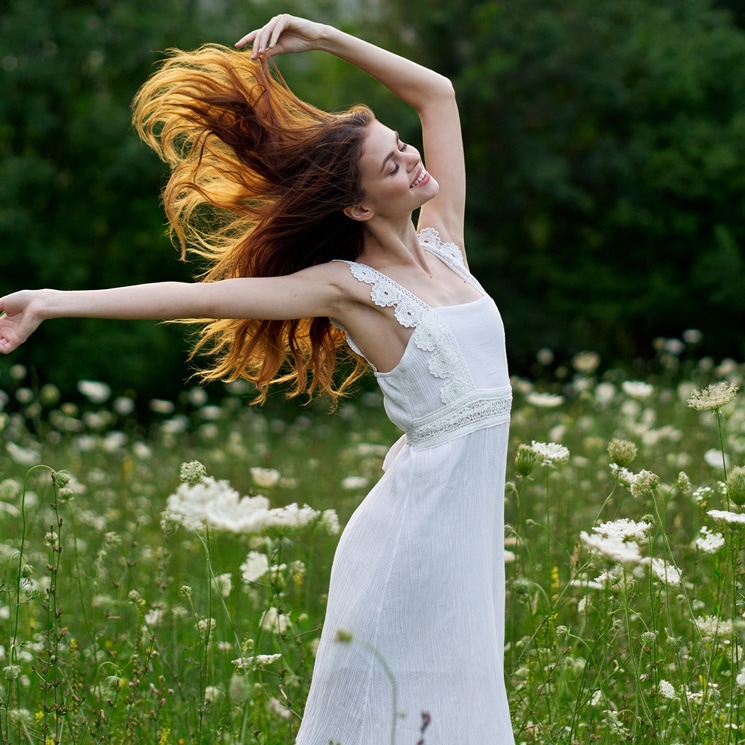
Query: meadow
{"points": [[165, 584]]}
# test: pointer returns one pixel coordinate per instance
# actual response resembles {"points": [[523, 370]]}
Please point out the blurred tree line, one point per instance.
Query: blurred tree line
{"points": [[605, 146]]}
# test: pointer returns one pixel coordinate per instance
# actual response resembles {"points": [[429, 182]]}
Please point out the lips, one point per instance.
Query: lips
{"points": [[421, 178]]}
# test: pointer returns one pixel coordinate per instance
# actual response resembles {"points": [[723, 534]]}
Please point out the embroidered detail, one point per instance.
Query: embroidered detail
{"points": [[431, 334], [445, 360], [478, 410], [430, 239], [407, 307]]}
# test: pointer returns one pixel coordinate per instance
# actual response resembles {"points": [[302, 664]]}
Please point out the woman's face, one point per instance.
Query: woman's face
{"points": [[392, 174]]}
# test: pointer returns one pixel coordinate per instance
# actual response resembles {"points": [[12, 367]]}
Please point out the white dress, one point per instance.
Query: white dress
{"points": [[418, 576]]}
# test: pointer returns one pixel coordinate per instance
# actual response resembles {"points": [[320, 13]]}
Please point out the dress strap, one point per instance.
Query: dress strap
{"points": [[449, 254], [386, 292]]}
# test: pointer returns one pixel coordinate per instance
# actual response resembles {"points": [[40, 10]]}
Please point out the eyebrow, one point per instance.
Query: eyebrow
{"points": [[390, 155]]}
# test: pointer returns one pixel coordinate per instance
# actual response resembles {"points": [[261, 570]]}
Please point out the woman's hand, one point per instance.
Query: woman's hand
{"points": [[284, 33], [21, 316]]}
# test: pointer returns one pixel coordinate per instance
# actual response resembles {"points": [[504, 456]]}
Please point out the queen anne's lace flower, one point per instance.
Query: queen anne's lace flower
{"points": [[736, 519], [254, 567], [713, 396], [637, 389], [643, 483], [709, 542], [666, 689], [544, 400], [623, 529], [215, 504], [612, 547], [243, 663], [664, 571], [552, 453]]}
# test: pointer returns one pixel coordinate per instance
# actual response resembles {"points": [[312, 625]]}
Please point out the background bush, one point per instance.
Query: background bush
{"points": [[604, 142]]}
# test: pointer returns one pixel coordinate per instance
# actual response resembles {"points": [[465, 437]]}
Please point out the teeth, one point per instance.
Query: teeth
{"points": [[419, 178]]}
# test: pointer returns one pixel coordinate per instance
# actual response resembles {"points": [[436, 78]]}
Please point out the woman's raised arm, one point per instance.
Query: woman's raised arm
{"points": [[430, 94]]}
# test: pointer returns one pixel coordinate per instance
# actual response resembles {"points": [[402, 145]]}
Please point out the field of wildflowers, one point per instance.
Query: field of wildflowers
{"points": [[167, 585]]}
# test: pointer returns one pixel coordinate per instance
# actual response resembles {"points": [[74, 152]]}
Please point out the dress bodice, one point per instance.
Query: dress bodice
{"points": [[452, 377]]}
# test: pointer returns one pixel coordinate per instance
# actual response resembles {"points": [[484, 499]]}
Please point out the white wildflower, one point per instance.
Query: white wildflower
{"points": [[371, 450], [623, 528], [643, 483], [586, 362], [265, 477], [354, 482], [614, 548], [604, 393], [274, 621], [212, 503], [666, 689], [254, 567], [211, 694], [192, 472], [544, 400], [552, 453], [597, 697], [664, 571], [624, 476], [223, 583], [245, 663], [162, 406], [153, 616], [703, 494], [637, 389], [713, 626], [713, 396], [740, 679], [709, 542], [713, 458], [23, 456], [330, 522], [736, 519], [276, 707], [94, 391]]}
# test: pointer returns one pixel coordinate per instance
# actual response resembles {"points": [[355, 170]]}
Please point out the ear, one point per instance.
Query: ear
{"points": [[358, 212]]}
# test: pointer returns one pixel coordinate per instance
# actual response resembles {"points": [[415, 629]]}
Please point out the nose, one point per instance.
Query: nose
{"points": [[413, 157]]}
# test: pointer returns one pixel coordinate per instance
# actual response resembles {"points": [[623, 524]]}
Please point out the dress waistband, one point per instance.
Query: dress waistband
{"points": [[477, 410]]}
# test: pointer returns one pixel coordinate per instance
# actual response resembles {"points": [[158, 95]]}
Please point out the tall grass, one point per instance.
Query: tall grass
{"points": [[624, 595]]}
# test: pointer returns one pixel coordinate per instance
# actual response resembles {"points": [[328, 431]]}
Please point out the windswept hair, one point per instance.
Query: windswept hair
{"points": [[259, 180]]}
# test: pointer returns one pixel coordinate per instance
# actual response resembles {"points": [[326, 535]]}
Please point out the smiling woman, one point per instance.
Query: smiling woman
{"points": [[305, 219]]}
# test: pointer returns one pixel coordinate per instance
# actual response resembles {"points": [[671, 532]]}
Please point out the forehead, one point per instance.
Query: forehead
{"points": [[379, 141]]}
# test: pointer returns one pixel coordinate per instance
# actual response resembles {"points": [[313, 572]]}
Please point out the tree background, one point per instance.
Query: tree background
{"points": [[605, 144]]}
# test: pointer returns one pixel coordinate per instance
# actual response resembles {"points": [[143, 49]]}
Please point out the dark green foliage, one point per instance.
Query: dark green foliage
{"points": [[605, 144], [605, 147]]}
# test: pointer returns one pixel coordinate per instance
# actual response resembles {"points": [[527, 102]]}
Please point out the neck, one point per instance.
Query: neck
{"points": [[390, 242]]}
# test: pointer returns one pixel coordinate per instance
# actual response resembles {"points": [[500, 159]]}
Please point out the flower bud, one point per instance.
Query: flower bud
{"points": [[525, 460], [736, 485], [622, 452]]}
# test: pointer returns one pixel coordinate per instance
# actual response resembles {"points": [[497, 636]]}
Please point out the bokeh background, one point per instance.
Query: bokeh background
{"points": [[605, 143]]}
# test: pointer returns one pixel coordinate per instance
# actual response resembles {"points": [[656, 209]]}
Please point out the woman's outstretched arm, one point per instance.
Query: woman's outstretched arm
{"points": [[430, 94], [308, 293]]}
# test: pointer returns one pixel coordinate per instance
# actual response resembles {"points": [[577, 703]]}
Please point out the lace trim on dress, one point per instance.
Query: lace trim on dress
{"points": [[407, 307], [478, 410], [430, 238], [431, 334]]}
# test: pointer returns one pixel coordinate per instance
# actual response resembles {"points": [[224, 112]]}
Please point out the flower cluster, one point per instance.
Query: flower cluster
{"points": [[215, 504], [713, 397]]}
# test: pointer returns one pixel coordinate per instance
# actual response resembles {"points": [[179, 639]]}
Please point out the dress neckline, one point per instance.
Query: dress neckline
{"points": [[463, 275]]}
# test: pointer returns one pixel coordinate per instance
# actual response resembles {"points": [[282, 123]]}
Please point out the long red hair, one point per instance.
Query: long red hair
{"points": [[259, 180]]}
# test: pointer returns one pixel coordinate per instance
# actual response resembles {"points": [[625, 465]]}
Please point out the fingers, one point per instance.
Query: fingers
{"points": [[266, 38]]}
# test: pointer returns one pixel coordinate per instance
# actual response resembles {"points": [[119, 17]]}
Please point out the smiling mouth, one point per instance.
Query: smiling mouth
{"points": [[423, 176]]}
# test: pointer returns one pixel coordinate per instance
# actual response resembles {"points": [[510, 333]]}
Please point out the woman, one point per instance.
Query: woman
{"points": [[305, 220]]}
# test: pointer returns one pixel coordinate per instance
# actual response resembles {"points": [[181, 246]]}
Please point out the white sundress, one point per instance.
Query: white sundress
{"points": [[418, 576]]}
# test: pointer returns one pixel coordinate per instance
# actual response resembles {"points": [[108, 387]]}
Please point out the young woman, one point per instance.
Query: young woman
{"points": [[305, 221]]}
